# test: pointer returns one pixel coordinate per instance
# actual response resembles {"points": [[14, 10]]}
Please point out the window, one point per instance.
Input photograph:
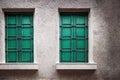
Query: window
{"points": [[76, 41], [74, 37], [19, 37]]}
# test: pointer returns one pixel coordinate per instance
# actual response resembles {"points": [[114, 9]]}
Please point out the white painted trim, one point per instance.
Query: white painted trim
{"points": [[34, 24], [18, 66], [58, 38], [18, 9], [90, 51], [2, 55], [74, 9], [76, 66]]}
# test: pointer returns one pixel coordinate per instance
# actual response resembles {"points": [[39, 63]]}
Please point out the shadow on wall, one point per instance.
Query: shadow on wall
{"points": [[14, 74], [109, 48], [62, 75], [77, 74]]}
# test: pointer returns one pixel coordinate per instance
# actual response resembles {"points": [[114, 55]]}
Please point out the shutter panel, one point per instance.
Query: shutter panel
{"points": [[27, 38], [65, 39], [19, 37], [73, 37]]}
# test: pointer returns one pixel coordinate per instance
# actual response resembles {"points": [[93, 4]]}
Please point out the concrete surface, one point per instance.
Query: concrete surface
{"points": [[105, 19]]}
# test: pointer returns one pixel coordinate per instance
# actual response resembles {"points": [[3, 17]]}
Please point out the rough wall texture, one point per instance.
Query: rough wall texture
{"points": [[106, 30]]}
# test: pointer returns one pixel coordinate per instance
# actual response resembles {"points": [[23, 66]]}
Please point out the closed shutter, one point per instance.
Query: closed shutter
{"points": [[73, 37], [19, 37]]}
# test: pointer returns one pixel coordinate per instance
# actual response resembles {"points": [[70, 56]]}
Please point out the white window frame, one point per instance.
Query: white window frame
{"points": [[91, 65], [15, 66]]}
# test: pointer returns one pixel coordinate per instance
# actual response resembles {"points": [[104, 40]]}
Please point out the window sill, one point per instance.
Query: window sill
{"points": [[76, 66], [18, 66]]}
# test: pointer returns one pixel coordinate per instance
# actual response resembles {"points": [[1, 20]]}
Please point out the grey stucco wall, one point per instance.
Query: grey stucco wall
{"points": [[106, 30]]}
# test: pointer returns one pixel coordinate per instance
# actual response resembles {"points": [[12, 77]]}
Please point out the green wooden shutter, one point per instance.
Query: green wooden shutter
{"points": [[19, 37], [73, 37]]}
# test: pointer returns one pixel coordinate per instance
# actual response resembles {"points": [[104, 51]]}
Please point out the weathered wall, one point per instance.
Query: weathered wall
{"points": [[105, 20]]}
